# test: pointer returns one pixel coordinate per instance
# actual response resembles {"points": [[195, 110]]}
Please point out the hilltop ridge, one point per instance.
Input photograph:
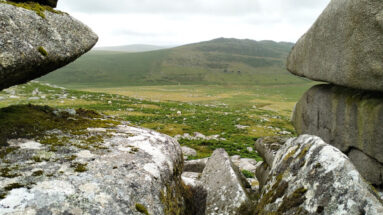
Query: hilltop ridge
{"points": [[220, 61]]}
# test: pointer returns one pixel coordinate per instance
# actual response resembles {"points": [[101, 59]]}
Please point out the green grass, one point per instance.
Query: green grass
{"points": [[216, 62], [210, 110]]}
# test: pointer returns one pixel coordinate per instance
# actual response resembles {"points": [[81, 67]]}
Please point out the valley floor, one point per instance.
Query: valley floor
{"points": [[201, 117]]}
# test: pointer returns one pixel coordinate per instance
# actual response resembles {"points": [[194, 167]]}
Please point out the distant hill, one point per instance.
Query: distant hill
{"points": [[132, 48], [219, 61]]}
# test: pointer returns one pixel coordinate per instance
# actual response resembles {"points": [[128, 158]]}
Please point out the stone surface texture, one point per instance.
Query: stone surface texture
{"points": [[132, 166], [309, 176], [347, 119], [344, 46], [32, 46], [225, 186]]}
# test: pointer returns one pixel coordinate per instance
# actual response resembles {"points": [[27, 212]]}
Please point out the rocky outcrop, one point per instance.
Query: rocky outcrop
{"points": [[46, 41], [225, 186], [309, 176], [347, 119], [344, 46], [80, 162]]}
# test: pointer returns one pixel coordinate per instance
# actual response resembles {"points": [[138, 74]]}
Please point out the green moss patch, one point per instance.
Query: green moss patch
{"points": [[247, 174], [80, 167], [33, 6], [141, 208], [42, 51], [30, 121]]}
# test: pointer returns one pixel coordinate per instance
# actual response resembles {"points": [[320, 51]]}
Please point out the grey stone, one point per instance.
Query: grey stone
{"points": [[244, 163], [187, 151], [226, 193], [311, 177], [343, 117], [262, 172], [195, 165], [344, 46], [131, 166], [33, 48], [368, 167]]}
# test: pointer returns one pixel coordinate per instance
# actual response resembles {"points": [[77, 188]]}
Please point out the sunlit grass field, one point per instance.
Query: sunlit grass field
{"points": [[234, 115]]}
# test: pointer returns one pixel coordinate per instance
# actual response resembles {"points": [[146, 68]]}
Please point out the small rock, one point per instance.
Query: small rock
{"points": [[226, 193], [187, 151]]}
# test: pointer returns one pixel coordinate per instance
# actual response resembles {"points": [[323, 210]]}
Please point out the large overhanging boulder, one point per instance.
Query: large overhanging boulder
{"points": [[349, 119], [37, 40], [344, 46], [309, 176]]}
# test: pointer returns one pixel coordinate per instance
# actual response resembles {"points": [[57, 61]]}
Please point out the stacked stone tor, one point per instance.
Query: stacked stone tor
{"points": [[344, 47]]}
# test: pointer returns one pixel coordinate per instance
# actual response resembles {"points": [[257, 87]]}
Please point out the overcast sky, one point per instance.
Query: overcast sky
{"points": [[176, 22]]}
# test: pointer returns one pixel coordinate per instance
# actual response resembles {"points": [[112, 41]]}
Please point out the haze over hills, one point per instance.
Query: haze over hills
{"points": [[132, 48], [219, 61]]}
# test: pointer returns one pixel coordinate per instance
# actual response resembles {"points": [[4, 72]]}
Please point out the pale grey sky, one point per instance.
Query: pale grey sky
{"points": [[176, 22]]}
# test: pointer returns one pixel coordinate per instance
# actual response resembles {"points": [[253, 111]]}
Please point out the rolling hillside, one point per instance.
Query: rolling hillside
{"points": [[220, 61], [131, 48]]}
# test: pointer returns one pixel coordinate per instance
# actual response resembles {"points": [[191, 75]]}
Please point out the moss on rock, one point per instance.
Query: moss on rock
{"points": [[34, 6]]}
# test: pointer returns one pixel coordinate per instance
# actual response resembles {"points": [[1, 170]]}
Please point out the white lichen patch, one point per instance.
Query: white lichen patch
{"points": [[15, 201], [54, 187], [152, 169], [89, 188], [25, 144], [85, 154]]}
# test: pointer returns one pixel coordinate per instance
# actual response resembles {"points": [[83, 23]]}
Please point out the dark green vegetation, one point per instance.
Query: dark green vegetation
{"points": [[142, 209], [220, 61], [43, 51], [237, 126], [29, 5], [247, 173]]}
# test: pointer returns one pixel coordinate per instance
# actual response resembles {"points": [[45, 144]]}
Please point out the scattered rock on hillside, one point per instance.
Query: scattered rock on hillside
{"points": [[309, 176], [244, 163], [187, 152], [226, 193], [47, 41], [344, 46], [347, 119], [111, 169], [50, 3]]}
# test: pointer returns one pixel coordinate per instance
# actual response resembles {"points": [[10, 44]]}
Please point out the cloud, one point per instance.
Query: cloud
{"points": [[169, 22]]}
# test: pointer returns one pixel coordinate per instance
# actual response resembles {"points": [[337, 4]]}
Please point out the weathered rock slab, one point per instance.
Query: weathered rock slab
{"points": [[344, 46], [33, 44], [345, 118], [225, 186], [129, 168], [309, 176]]}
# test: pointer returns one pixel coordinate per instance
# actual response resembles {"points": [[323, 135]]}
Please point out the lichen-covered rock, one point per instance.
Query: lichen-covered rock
{"points": [[50, 3], [37, 41], [309, 176], [345, 118], [88, 164], [344, 46], [226, 193]]}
